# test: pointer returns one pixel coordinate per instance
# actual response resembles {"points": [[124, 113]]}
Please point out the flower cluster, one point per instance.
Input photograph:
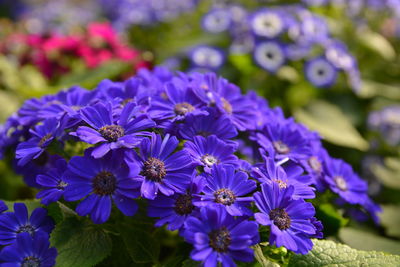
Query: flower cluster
{"points": [[56, 54], [387, 122], [212, 162], [276, 36], [24, 239]]}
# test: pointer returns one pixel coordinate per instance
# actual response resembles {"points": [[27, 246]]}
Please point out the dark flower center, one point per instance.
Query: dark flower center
{"points": [[281, 147], [227, 106], [112, 132], [30, 261], [209, 160], [224, 196], [154, 169], [321, 72], [104, 183], [126, 101], [340, 183], [204, 133], [183, 108], [26, 229], [280, 183], [61, 185], [270, 55], [44, 139], [281, 218], [315, 164], [184, 205], [220, 239]]}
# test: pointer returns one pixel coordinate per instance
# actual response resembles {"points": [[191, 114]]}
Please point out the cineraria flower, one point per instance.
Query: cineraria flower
{"points": [[176, 102], [101, 182], [217, 20], [289, 219], [343, 181], [126, 132], [206, 125], [210, 151], [53, 183], [207, 57], [269, 55], [161, 169], [228, 188], [29, 251], [175, 209], [314, 166], [3, 207], [320, 72], [283, 139], [267, 23], [14, 223], [292, 175], [43, 135], [219, 237]]}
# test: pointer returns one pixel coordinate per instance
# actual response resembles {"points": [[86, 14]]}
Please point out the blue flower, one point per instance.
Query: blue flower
{"points": [[270, 55], [174, 210], [229, 189], [342, 180], [127, 131], [53, 183], [161, 169], [210, 151], [29, 251], [101, 182], [217, 20], [207, 57], [289, 219], [320, 72], [14, 223], [267, 23], [3, 207], [219, 237], [43, 135]]}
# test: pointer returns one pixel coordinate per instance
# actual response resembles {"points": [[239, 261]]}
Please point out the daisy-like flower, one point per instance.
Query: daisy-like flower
{"points": [[174, 210], [210, 151], [14, 223], [267, 23], [269, 172], [218, 237], [207, 57], [217, 20], [53, 183], [161, 169], [289, 219], [3, 207], [344, 181], [228, 188], [176, 102], [101, 182], [109, 133], [269, 55], [29, 251], [43, 135], [320, 72]]}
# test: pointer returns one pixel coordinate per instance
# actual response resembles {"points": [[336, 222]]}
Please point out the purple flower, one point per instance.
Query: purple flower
{"points": [[206, 125], [289, 219], [207, 57], [176, 102], [292, 175], [53, 183], [345, 182], [101, 182], [174, 210], [3, 207], [28, 113], [217, 20], [210, 151], [269, 55], [43, 135], [14, 223], [161, 169], [112, 134], [29, 251], [267, 23], [219, 237], [228, 188], [320, 72]]}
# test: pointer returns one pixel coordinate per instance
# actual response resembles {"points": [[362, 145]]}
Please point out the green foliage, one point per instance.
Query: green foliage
{"points": [[331, 218], [329, 253], [332, 124], [390, 219]]}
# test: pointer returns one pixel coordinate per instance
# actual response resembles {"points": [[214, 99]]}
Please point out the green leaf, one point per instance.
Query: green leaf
{"points": [[364, 240], [390, 219], [331, 218], [259, 255], [141, 246], [388, 174], [333, 125], [80, 243], [371, 89], [377, 43], [329, 253], [30, 204]]}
